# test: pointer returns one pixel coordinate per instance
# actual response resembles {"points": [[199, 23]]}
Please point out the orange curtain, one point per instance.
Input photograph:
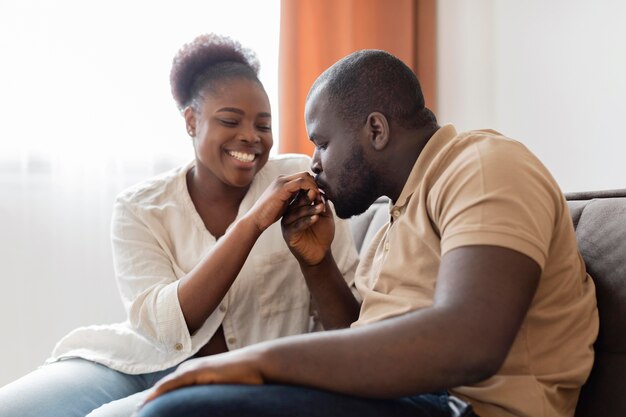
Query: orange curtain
{"points": [[314, 34]]}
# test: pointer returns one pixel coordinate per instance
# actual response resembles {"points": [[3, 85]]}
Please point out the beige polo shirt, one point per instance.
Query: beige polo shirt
{"points": [[481, 188]]}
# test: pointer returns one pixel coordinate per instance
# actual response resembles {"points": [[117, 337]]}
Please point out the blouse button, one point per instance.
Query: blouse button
{"points": [[231, 340], [222, 308], [178, 346]]}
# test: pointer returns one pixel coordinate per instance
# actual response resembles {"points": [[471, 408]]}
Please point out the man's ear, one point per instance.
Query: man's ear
{"points": [[377, 130], [190, 120]]}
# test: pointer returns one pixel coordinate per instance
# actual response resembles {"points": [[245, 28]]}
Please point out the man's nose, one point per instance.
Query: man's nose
{"points": [[316, 165]]}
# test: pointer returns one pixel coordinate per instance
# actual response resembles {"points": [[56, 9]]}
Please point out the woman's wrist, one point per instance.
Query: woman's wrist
{"points": [[248, 226]]}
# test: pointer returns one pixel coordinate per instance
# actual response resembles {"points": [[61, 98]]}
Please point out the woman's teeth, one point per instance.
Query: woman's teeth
{"points": [[243, 157]]}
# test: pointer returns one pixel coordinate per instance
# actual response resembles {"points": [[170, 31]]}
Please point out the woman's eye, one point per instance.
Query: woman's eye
{"points": [[228, 122], [321, 146], [265, 128]]}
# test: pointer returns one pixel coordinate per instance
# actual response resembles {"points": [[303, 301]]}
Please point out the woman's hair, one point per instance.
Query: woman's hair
{"points": [[208, 58]]}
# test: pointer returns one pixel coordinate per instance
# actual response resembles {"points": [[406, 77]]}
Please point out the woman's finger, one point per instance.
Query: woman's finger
{"points": [[294, 213], [303, 190], [302, 182]]}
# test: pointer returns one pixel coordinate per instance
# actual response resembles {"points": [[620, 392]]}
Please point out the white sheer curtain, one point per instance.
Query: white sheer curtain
{"points": [[85, 111]]}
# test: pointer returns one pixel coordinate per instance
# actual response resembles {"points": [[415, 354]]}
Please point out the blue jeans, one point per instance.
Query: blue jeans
{"points": [[293, 401], [76, 388]]}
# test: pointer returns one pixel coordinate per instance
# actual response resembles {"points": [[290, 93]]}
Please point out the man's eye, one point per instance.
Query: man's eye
{"points": [[321, 146], [265, 128]]}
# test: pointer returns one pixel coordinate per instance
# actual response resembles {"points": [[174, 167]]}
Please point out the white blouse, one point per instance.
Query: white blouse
{"points": [[158, 237]]}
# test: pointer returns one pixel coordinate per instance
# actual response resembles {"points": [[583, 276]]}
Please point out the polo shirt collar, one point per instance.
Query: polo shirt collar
{"points": [[437, 141]]}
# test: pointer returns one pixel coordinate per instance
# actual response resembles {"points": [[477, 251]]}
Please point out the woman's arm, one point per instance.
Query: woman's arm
{"points": [[152, 294], [202, 289]]}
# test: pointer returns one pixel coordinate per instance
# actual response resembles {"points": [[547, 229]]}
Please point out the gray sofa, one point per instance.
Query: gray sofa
{"points": [[600, 221]]}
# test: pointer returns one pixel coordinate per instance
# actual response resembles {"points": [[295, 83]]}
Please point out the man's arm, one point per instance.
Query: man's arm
{"points": [[481, 299], [332, 298], [309, 230]]}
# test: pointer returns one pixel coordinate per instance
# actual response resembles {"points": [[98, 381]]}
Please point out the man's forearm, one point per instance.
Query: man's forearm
{"points": [[384, 360], [336, 306]]}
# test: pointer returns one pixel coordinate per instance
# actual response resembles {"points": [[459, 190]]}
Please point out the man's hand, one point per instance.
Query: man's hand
{"points": [[309, 229], [238, 367]]}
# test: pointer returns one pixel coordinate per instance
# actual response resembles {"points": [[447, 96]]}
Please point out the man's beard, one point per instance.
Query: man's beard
{"points": [[358, 187]]}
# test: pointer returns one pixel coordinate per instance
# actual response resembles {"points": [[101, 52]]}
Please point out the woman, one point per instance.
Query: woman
{"points": [[201, 265]]}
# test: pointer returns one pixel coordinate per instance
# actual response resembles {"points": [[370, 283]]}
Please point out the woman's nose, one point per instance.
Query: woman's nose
{"points": [[250, 135]]}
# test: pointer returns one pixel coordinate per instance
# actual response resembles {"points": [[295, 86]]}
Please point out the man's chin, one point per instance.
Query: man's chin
{"points": [[347, 210]]}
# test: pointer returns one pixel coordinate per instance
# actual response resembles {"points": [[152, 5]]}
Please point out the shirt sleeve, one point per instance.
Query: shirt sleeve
{"points": [[146, 281], [496, 194]]}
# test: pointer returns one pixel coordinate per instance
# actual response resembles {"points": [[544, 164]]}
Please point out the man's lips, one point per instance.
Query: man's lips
{"points": [[323, 188]]}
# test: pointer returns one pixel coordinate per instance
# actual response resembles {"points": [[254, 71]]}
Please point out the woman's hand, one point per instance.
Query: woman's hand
{"points": [[237, 367], [309, 229], [281, 192]]}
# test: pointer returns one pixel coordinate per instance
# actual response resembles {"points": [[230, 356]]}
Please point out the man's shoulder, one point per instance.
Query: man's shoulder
{"points": [[488, 137], [486, 146]]}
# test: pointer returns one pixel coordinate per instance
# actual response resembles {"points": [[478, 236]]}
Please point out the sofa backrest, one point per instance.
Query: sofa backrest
{"points": [[365, 226], [600, 222]]}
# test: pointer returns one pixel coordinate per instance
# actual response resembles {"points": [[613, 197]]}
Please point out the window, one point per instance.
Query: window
{"points": [[85, 85], [86, 111]]}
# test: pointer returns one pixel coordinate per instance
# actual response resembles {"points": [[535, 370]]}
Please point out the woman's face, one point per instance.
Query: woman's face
{"points": [[232, 131]]}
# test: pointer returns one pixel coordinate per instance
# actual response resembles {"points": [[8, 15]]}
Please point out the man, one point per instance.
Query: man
{"points": [[473, 293]]}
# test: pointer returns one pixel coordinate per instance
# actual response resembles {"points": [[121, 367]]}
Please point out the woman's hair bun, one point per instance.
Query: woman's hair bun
{"points": [[199, 55]]}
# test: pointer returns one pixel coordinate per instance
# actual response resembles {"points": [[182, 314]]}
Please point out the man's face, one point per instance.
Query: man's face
{"points": [[339, 160]]}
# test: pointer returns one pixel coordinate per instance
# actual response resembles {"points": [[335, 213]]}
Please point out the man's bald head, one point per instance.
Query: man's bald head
{"points": [[374, 81]]}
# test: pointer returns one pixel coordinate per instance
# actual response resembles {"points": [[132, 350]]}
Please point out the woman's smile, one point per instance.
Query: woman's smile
{"points": [[242, 156]]}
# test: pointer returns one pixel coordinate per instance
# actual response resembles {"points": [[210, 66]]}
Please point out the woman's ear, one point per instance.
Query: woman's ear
{"points": [[190, 120], [377, 130]]}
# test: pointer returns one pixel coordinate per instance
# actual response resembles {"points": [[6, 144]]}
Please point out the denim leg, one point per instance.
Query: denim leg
{"points": [[287, 401], [69, 388], [126, 406]]}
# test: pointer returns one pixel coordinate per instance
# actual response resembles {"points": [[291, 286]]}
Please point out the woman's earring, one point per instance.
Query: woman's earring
{"points": [[191, 133]]}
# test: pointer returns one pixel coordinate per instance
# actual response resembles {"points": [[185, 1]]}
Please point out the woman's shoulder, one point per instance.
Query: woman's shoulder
{"points": [[155, 189], [285, 164]]}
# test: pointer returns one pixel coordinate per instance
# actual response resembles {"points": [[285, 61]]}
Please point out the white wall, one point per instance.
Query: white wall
{"points": [[550, 73], [57, 270]]}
